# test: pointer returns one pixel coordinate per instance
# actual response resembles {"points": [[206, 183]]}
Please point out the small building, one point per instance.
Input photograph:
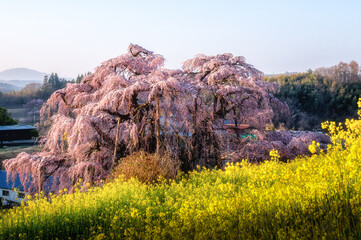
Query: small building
{"points": [[8, 195], [13, 192], [10, 135]]}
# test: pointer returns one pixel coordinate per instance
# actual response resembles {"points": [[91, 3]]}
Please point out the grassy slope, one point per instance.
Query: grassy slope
{"points": [[308, 198]]}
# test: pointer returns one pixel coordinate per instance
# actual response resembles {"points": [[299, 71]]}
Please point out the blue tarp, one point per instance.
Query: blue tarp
{"points": [[17, 184], [10, 184]]}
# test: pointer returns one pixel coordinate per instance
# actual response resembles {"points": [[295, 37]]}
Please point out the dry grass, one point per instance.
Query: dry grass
{"points": [[147, 168]]}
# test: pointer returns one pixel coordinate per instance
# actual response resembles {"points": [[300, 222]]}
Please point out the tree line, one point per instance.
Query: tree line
{"points": [[320, 95], [36, 90]]}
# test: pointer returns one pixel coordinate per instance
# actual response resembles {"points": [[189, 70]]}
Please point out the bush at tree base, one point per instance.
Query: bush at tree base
{"points": [[146, 167]]}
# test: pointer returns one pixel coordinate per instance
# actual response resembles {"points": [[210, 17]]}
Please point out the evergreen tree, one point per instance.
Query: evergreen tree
{"points": [[5, 118]]}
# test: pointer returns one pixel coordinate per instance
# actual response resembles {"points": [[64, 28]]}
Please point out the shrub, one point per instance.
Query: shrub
{"points": [[5, 118], [147, 167]]}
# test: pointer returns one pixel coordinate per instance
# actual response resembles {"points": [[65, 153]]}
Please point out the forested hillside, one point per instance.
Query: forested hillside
{"points": [[323, 94], [33, 91]]}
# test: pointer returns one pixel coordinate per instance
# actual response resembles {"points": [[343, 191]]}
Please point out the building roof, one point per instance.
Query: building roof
{"points": [[10, 184], [16, 127], [233, 126]]}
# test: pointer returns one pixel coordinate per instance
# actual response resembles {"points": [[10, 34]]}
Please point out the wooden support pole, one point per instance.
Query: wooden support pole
{"points": [[116, 142], [40, 180], [157, 122]]}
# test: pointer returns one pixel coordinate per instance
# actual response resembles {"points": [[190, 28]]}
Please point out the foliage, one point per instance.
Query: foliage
{"points": [[146, 167], [290, 144], [34, 133], [342, 72], [51, 84], [325, 94], [131, 103], [80, 77], [5, 118], [33, 91], [346, 135], [309, 198]]}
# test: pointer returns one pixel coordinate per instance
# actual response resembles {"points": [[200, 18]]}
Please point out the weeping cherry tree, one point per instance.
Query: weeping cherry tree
{"points": [[132, 103]]}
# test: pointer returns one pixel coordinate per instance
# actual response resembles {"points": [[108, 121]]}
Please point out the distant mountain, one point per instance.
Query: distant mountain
{"points": [[6, 87], [18, 78], [23, 74]]}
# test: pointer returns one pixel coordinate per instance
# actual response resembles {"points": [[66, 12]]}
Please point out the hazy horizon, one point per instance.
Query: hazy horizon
{"points": [[74, 37]]}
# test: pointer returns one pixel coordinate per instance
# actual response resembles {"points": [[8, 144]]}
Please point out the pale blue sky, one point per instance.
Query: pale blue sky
{"points": [[75, 36]]}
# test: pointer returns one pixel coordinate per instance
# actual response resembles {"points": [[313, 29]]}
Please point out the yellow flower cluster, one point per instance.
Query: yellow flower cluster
{"points": [[64, 137], [317, 197], [315, 147], [274, 155]]}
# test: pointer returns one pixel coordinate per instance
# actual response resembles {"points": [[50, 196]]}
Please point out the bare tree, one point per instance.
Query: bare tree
{"points": [[342, 72]]}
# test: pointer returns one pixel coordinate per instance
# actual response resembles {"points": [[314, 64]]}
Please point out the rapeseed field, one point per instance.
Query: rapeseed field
{"points": [[317, 197]]}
